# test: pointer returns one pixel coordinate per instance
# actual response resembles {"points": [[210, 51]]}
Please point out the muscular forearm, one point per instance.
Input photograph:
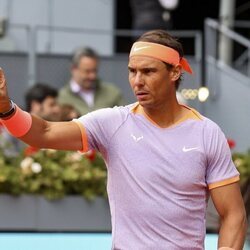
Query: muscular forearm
{"points": [[42, 134], [36, 136], [56, 135], [232, 232]]}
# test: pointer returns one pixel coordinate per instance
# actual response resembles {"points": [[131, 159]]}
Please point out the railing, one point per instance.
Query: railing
{"points": [[242, 59], [214, 31]]}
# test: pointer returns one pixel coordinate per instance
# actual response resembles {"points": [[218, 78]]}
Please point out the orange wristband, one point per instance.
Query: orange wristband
{"points": [[19, 124]]}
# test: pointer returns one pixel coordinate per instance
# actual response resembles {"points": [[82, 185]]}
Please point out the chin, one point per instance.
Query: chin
{"points": [[145, 104], [87, 86]]}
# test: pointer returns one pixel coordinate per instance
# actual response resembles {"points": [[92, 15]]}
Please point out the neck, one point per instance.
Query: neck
{"points": [[167, 114], [88, 87]]}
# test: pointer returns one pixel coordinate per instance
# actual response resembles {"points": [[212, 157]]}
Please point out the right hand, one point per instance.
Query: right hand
{"points": [[4, 98]]}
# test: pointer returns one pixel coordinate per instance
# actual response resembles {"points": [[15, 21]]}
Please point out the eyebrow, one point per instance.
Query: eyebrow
{"points": [[144, 68]]}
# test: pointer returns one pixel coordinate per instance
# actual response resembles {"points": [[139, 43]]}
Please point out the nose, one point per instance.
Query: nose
{"points": [[56, 109], [138, 79], [91, 76]]}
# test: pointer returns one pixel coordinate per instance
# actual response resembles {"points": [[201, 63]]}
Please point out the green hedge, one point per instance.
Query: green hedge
{"points": [[53, 174]]}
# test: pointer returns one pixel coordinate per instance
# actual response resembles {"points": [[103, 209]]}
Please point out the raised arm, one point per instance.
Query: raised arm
{"points": [[229, 204], [36, 131]]}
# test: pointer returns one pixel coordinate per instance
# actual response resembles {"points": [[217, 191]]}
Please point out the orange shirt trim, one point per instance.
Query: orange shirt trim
{"points": [[84, 137], [193, 114], [223, 183]]}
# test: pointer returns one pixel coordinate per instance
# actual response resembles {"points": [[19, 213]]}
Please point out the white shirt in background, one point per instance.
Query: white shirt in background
{"points": [[87, 95]]}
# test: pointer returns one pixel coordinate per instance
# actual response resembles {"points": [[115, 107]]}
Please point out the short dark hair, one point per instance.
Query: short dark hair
{"points": [[83, 52], [39, 92], [164, 38]]}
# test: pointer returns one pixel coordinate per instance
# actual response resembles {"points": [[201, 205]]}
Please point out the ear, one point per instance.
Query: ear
{"points": [[35, 107], [72, 68], [175, 73]]}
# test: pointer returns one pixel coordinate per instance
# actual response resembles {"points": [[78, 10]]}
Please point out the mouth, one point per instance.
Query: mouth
{"points": [[141, 95]]}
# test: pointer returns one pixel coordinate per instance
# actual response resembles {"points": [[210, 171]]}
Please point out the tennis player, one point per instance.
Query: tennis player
{"points": [[163, 159]]}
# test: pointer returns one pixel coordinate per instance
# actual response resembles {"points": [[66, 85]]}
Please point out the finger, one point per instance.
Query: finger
{"points": [[2, 79], [3, 89]]}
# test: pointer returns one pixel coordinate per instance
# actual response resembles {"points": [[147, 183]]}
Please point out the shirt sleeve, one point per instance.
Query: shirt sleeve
{"points": [[98, 127], [220, 167]]}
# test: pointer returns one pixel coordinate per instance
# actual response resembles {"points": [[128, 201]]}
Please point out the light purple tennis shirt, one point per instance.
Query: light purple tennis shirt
{"points": [[158, 178]]}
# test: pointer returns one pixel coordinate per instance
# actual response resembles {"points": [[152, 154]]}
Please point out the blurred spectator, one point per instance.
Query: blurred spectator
{"points": [[10, 146], [152, 14], [85, 91], [41, 100], [68, 112]]}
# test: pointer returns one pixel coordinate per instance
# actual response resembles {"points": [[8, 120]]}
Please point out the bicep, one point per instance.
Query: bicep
{"points": [[55, 135], [228, 199]]}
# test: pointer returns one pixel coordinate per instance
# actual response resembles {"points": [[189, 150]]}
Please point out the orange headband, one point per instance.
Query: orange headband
{"points": [[160, 52]]}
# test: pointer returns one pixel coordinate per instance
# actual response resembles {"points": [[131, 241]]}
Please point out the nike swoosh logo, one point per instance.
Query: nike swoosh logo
{"points": [[184, 149], [139, 48]]}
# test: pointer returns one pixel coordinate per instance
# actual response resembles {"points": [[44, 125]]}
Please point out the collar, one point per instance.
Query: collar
{"points": [[76, 88], [136, 108]]}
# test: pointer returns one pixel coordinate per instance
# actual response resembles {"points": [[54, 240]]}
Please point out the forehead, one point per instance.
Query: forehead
{"points": [[49, 100], [87, 61], [144, 62]]}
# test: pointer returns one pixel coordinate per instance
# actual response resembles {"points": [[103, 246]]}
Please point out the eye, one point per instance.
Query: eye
{"points": [[131, 70], [148, 71]]}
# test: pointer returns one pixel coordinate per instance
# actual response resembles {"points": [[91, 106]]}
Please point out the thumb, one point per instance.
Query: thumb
{"points": [[3, 87], [3, 84], [2, 79]]}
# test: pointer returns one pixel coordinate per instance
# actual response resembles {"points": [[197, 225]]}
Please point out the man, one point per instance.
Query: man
{"points": [[85, 92], [41, 100], [163, 159]]}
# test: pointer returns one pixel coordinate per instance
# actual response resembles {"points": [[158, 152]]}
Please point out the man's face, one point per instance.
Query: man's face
{"points": [[150, 80], [48, 109], [85, 74]]}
